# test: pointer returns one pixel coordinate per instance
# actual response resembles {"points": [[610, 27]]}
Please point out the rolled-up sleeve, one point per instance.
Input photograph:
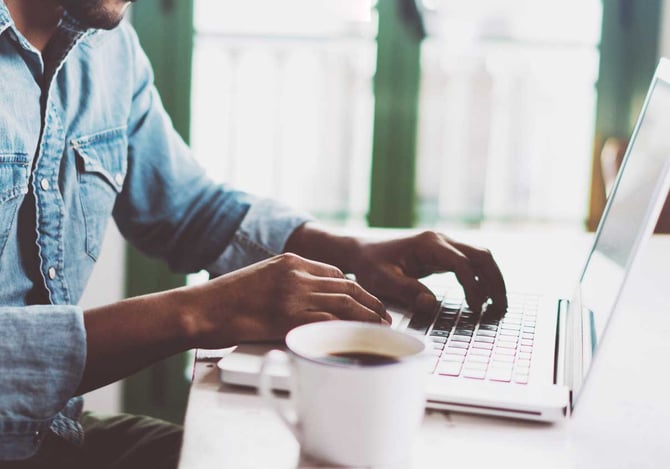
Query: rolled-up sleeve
{"points": [[42, 359], [263, 233], [171, 209]]}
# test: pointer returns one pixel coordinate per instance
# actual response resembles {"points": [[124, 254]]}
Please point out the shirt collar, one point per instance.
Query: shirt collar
{"points": [[5, 19], [69, 22]]}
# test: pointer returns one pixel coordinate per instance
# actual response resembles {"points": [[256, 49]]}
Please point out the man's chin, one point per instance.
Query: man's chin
{"points": [[107, 23], [98, 14]]}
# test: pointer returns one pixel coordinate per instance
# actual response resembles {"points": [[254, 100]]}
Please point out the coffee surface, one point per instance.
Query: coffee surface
{"points": [[359, 358]]}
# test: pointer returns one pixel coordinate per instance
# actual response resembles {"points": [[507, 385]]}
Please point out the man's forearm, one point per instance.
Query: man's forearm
{"points": [[124, 337]]}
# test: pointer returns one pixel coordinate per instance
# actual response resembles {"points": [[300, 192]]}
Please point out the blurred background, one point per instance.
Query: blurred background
{"points": [[447, 114]]}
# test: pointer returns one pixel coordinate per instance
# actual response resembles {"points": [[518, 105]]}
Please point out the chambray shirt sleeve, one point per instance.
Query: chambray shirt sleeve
{"points": [[42, 359], [169, 208], [262, 234]]}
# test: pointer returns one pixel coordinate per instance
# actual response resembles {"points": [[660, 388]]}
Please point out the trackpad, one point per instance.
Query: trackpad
{"points": [[242, 367]]}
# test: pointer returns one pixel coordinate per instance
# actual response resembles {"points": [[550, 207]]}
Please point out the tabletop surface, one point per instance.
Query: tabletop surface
{"points": [[620, 420]]}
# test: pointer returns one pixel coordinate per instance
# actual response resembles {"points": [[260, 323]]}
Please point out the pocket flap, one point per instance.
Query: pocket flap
{"points": [[104, 153]]}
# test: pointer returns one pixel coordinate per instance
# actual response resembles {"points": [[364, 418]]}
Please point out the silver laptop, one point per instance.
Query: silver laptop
{"points": [[531, 361]]}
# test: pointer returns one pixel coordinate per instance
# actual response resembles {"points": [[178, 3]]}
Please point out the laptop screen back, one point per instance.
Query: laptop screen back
{"points": [[630, 214]]}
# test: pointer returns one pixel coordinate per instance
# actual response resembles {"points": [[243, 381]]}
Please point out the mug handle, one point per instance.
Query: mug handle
{"points": [[276, 357]]}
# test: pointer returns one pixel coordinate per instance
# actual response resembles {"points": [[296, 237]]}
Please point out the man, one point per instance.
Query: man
{"points": [[83, 136]]}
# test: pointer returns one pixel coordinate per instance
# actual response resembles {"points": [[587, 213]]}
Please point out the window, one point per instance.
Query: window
{"points": [[283, 105], [507, 110], [282, 100]]}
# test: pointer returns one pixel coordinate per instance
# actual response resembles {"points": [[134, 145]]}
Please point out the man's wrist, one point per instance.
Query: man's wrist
{"points": [[316, 243], [191, 326]]}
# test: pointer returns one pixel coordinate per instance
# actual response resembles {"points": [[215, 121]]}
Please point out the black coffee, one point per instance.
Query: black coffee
{"points": [[359, 358]]}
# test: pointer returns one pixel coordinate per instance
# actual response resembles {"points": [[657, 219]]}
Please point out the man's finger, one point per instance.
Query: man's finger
{"points": [[346, 307], [447, 257], [317, 316], [321, 269], [410, 293], [488, 271], [351, 288]]}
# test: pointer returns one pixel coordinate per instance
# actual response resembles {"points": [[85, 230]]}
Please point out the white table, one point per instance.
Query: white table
{"points": [[621, 419]]}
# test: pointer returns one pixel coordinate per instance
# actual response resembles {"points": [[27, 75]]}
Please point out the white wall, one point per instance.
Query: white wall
{"points": [[664, 47], [106, 286]]}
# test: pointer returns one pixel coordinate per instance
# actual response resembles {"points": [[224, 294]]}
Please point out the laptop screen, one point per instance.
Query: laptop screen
{"points": [[630, 214]]}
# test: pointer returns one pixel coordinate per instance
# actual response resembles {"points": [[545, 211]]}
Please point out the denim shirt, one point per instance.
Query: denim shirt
{"points": [[84, 137]]}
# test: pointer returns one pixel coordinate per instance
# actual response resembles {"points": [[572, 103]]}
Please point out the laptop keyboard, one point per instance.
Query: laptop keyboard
{"points": [[489, 346]]}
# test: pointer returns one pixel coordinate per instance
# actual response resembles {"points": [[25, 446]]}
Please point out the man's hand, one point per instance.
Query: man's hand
{"points": [[391, 269], [265, 300], [260, 302]]}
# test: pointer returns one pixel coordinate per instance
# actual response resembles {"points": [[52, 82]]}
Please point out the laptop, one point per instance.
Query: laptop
{"points": [[531, 361]]}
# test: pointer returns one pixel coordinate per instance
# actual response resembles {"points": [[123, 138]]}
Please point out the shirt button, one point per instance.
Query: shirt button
{"points": [[119, 178], [44, 184], [52, 273]]}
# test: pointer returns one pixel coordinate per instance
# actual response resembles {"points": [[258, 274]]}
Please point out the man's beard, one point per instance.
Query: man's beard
{"points": [[95, 13]]}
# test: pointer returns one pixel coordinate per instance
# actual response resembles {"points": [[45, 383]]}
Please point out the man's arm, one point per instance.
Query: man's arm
{"points": [[260, 302]]}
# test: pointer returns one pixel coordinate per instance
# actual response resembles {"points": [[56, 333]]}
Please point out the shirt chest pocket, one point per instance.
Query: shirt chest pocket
{"points": [[14, 174], [102, 165]]}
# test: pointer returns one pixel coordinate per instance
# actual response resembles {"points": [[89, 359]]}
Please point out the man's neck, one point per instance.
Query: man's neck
{"points": [[35, 19]]}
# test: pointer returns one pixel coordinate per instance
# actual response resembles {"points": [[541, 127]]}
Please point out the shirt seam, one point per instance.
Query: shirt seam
{"points": [[248, 242]]}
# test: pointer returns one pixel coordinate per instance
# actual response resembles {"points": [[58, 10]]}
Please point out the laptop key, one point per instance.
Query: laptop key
{"points": [[503, 358], [499, 374], [474, 374], [449, 369], [445, 322], [458, 344], [523, 363], [450, 308], [461, 338], [478, 359], [450, 357], [507, 345], [482, 345], [521, 379], [479, 370], [420, 323], [501, 366], [487, 339], [509, 321]]}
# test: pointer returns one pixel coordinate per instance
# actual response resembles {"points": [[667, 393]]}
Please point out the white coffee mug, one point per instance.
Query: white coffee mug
{"points": [[348, 413]]}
